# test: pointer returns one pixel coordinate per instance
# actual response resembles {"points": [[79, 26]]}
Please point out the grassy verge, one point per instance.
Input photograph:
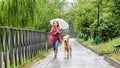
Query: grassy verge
{"points": [[115, 56], [102, 47], [41, 55]]}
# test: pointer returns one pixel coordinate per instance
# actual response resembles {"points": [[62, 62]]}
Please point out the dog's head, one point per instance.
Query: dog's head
{"points": [[66, 38]]}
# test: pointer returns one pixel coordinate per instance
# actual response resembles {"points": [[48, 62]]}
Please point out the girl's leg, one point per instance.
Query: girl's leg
{"points": [[54, 50], [56, 47]]}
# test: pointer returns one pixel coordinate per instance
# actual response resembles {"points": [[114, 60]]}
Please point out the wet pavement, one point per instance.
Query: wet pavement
{"points": [[81, 58]]}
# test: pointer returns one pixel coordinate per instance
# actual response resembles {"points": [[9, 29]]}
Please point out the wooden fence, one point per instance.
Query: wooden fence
{"points": [[18, 46]]}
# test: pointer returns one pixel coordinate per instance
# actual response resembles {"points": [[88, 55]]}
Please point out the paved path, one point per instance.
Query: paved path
{"points": [[81, 58]]}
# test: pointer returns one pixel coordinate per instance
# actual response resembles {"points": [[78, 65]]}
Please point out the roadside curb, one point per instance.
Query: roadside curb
{"points": [[112, 61], [94, 50]]}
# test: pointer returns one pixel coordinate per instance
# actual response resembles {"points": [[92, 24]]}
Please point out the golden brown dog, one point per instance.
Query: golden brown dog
{"points": [[67, 46]]}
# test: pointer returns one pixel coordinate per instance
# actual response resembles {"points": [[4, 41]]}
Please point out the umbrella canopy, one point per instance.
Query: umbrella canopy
{"points": [[62, 23]]}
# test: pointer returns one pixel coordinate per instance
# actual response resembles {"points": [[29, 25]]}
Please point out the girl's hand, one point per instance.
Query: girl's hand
{"points": [[57, 29]]}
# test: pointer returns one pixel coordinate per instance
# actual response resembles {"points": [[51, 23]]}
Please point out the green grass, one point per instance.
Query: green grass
{"points": [[115, 56], [102, 47]]}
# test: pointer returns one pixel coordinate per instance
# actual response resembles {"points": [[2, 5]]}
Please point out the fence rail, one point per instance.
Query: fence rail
{"points": [[19, 45]]}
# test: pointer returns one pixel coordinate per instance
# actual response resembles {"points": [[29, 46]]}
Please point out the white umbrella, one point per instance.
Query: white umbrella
{"points": [[62, 24]]}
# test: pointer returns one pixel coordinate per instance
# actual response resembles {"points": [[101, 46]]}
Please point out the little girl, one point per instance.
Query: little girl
{"points": [[55, 37]]}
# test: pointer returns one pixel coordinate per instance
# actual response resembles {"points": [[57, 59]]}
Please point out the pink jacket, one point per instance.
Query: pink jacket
{"points": [[55, 34]]}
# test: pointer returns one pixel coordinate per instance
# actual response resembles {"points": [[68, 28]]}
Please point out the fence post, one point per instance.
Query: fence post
{"points": [[15, 47], [22, 45], [33, 45], [29, 44], [5, 48], [25, 43], [39, 41], [1, 48], [36, 43], [11, 48], [33, 39], [19, 47], [46, 42]]}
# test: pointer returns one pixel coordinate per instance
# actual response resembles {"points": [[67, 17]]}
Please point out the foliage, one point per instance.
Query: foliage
{"points": [[34, 14], [96, 17], [85, 18]]}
